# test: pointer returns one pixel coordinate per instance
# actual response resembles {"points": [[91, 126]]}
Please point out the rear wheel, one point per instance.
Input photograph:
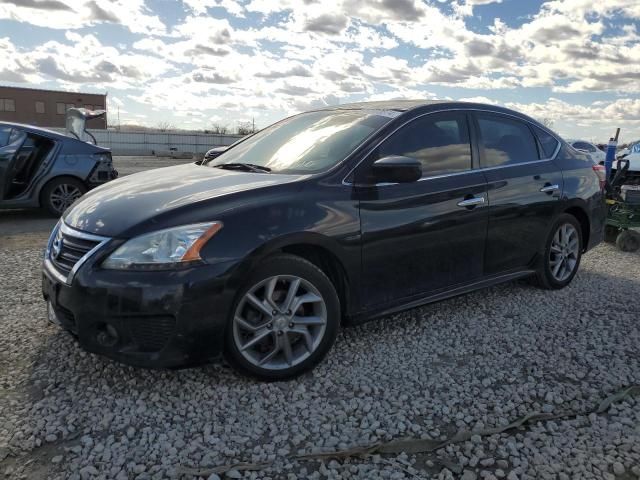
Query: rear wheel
{"points": [[284, 320], [628, 241], [60, 193], [611, 233], [562, 254]]}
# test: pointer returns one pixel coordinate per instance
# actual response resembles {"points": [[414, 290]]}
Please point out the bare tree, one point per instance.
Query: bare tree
{"points": [[165, 126], [219, 129], [547, 122], [245, 128]]}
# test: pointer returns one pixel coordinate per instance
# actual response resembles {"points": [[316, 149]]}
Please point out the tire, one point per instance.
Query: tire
{"points": [[628, 241], [261, 324], [549, 276], [611, 233], [60, 193]]}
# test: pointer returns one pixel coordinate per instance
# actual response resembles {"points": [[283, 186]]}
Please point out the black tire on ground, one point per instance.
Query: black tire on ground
{"points": [[50, 195], [544, 277], [611, 233], [285, 265], [628, 241]]}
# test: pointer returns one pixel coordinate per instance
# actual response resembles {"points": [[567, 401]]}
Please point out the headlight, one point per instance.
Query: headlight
{"points": [[164, 248]]}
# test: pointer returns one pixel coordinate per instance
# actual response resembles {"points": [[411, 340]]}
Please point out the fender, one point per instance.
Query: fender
{"points": [[277, 244]]}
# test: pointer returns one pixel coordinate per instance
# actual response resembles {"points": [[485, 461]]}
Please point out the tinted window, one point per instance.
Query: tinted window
{"points": [[506, 141], [4, 135], [440, 141], [547, 141]]}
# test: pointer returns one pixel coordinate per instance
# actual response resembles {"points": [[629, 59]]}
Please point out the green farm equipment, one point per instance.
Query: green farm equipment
{"points": [[623, 202]]}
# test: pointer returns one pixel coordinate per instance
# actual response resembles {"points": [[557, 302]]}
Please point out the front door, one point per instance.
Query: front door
{"points": [[524, 189], [10, 141], [427, 235]]}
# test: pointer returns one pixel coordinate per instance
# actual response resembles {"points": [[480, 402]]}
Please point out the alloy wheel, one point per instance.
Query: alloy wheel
{"points": [[279, 322], [564, 252], [63, 196]]}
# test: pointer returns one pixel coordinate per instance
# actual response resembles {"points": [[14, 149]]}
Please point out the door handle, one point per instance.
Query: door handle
{"points": [[548, 188], [471, 202]]}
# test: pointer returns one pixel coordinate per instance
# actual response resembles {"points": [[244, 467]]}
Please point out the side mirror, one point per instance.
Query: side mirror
{"points": [[397, 169]]}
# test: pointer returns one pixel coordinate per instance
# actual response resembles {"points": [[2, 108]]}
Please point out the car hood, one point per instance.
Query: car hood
{"points": [[116, 207]]}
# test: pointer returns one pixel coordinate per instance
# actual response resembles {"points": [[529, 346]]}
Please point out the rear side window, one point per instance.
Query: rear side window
{"points": [[506, 141], [547, 141], [584, 146], [440, 141], [5, 132]]}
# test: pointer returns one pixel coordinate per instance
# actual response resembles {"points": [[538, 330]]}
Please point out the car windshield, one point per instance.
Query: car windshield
{"points": [[306, 143]]}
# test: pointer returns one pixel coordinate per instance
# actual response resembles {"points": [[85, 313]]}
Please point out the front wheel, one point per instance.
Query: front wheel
{"points": [[284, 321], [562, 254]]}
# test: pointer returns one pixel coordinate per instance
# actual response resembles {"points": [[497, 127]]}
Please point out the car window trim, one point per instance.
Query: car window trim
{"points": [[473, 169]]}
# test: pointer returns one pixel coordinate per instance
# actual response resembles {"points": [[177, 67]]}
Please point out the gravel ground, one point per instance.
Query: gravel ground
{"points": [[470, 363]]}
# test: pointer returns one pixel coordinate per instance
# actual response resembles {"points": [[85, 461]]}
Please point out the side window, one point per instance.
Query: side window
{"points": [[5, 132], [506, 141], [440, 141], [547, 141]]}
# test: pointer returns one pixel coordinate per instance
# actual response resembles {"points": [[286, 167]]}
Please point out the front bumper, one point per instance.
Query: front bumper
{"points": [[147, 319]]}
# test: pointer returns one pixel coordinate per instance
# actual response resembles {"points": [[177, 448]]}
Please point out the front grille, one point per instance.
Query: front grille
{"points": [[151, 333], [68, 246]]}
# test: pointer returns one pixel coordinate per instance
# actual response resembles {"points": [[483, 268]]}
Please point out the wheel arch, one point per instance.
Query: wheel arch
{"points": [[315, 248], [580, 214]]}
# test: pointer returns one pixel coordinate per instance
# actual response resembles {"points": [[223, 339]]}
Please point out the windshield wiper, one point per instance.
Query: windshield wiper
{"points": [[248, 167]]}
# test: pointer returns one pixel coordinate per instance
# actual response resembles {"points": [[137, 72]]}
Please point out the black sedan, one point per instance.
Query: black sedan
{"points": [[326, 218]]}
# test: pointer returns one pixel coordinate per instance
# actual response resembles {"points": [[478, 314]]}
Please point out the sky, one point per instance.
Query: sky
{"points": [[199, 63]]}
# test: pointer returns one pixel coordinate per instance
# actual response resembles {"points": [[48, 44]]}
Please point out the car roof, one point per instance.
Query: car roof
{"points": [[403, 106], [36, 130], [397, 105], [50, 134]]}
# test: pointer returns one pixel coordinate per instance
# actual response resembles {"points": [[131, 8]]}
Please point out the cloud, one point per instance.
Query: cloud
{"points": [[295, 90], [326, 23], [40, 4], [212, 77], [295, 71], [200, 49], [290, 54], [100, 14], [79, 14], [11, 76]]}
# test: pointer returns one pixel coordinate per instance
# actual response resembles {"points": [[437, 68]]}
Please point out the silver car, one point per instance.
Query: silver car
{"points": [[43, 168]]}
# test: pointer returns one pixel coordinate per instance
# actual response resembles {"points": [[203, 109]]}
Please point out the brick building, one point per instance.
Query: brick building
{"points": [[47, 108]]}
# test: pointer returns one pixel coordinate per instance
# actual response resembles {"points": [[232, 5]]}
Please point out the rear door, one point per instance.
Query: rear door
{"points": [[524, 189], [420, 237]]}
